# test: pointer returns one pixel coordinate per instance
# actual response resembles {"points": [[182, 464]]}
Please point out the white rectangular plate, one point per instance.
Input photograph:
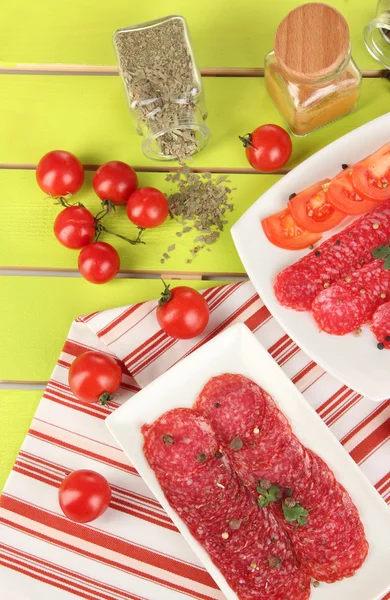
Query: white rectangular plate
{"points": [[236, 350], [356, 361]]}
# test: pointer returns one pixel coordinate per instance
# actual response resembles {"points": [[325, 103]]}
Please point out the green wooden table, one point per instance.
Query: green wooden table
{"points": [[59, 89]]}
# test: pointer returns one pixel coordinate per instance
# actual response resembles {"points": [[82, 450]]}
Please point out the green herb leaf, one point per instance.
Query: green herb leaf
{"points": [[267, 496], [381, 252], [296, 513], [386, 264]]}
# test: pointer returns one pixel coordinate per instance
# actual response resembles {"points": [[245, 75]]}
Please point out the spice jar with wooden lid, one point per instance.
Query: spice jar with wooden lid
{"points": [[163, 87], [311, 75]]}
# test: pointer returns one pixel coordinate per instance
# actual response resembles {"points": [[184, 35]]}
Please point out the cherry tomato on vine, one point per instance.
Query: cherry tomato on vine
{"points": [[99, 262], [74, 227], [94, 377], [115, 181], [182, 313], [84, 495], [147, 207], [60, 173], [267, 148]]}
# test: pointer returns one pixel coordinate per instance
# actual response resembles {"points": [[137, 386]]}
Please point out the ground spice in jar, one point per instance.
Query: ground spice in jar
{"points": [[311, 75], [163, 84], [200, 204]]}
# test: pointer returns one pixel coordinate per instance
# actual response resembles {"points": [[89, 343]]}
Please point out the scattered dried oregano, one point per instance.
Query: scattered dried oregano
{"points": [[199, 205], [162, 83]]}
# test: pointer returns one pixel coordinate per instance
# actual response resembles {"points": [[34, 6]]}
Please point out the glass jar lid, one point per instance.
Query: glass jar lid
{"points": [[312, 41]]}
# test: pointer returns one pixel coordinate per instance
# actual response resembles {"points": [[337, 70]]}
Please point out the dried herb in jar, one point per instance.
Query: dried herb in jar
{"points": [[162, 83]]}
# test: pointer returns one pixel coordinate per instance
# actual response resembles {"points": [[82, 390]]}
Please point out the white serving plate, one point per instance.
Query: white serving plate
{"points": [[236, 350], [355, 361]]}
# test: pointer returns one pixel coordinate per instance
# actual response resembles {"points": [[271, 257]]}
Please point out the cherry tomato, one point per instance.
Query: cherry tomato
{"points": [[283, 231], [99, 262], [60, 173], [268, 148], [84, 496], [344, 197], [115, 181], [74, 227], [312, 210], [147, 207], [94, 377], [182, 313], [371, 176]]}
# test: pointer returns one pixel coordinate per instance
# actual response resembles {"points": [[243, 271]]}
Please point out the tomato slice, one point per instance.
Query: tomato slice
{"points": [[371, 176], [344, 197], [312, 210], [283, 231]]}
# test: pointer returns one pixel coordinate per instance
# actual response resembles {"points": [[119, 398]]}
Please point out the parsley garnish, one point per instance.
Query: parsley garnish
{"points": [[383, 252], [296, 513], [292, 511], [267, 496]]}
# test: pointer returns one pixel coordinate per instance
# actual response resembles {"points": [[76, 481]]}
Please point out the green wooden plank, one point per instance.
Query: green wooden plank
{"points": [[17, 408], [225, 34], [36, 314], [27, 239], [89, 116]]}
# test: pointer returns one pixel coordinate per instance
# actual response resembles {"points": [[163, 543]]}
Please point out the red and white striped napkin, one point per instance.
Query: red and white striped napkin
{"points": [[134, 552]]}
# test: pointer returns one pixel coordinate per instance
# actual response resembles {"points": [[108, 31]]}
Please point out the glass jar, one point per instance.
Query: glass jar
{"points": [[311, 75], [377, 34], [163, 87]]}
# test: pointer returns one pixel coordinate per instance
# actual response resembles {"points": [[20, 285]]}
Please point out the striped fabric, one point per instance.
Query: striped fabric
{"points": [[134, 552]]}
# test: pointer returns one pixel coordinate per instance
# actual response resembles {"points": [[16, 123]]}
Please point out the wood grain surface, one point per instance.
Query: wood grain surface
{"points": [[89, 116], [225, 33], [36, 314]]}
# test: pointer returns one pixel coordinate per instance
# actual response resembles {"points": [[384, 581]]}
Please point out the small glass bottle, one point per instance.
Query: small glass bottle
{"points": [[377, 34], [163, 87], [311, 75]]}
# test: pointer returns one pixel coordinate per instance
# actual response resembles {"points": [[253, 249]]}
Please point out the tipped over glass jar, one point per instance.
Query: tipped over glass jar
{"points": [[377, 34], [311, 75], [163, 87]]}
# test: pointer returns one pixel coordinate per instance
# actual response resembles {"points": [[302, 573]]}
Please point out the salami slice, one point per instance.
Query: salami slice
{"points": [[245, 542], [380, 325], [332, 545], [271, 451], [253, 431], [349, 303], [179, 443], [219, 400], [297, 286]]}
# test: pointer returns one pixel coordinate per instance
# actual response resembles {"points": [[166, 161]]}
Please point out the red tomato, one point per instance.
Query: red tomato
{"points": [[60, 173], [115, 181], [282, 231], [182, 313], [147, 207], [84, 496], [371, 176], [344, 197], [99, 262], [312, 210], [94, 377], [74, 227], [268, 148]]}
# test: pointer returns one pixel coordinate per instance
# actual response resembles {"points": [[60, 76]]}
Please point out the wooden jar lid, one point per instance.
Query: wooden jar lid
{"points": [[312, 40]]}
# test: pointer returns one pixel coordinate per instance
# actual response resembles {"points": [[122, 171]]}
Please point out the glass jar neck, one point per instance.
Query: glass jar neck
{"points": [[320, 80]]}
